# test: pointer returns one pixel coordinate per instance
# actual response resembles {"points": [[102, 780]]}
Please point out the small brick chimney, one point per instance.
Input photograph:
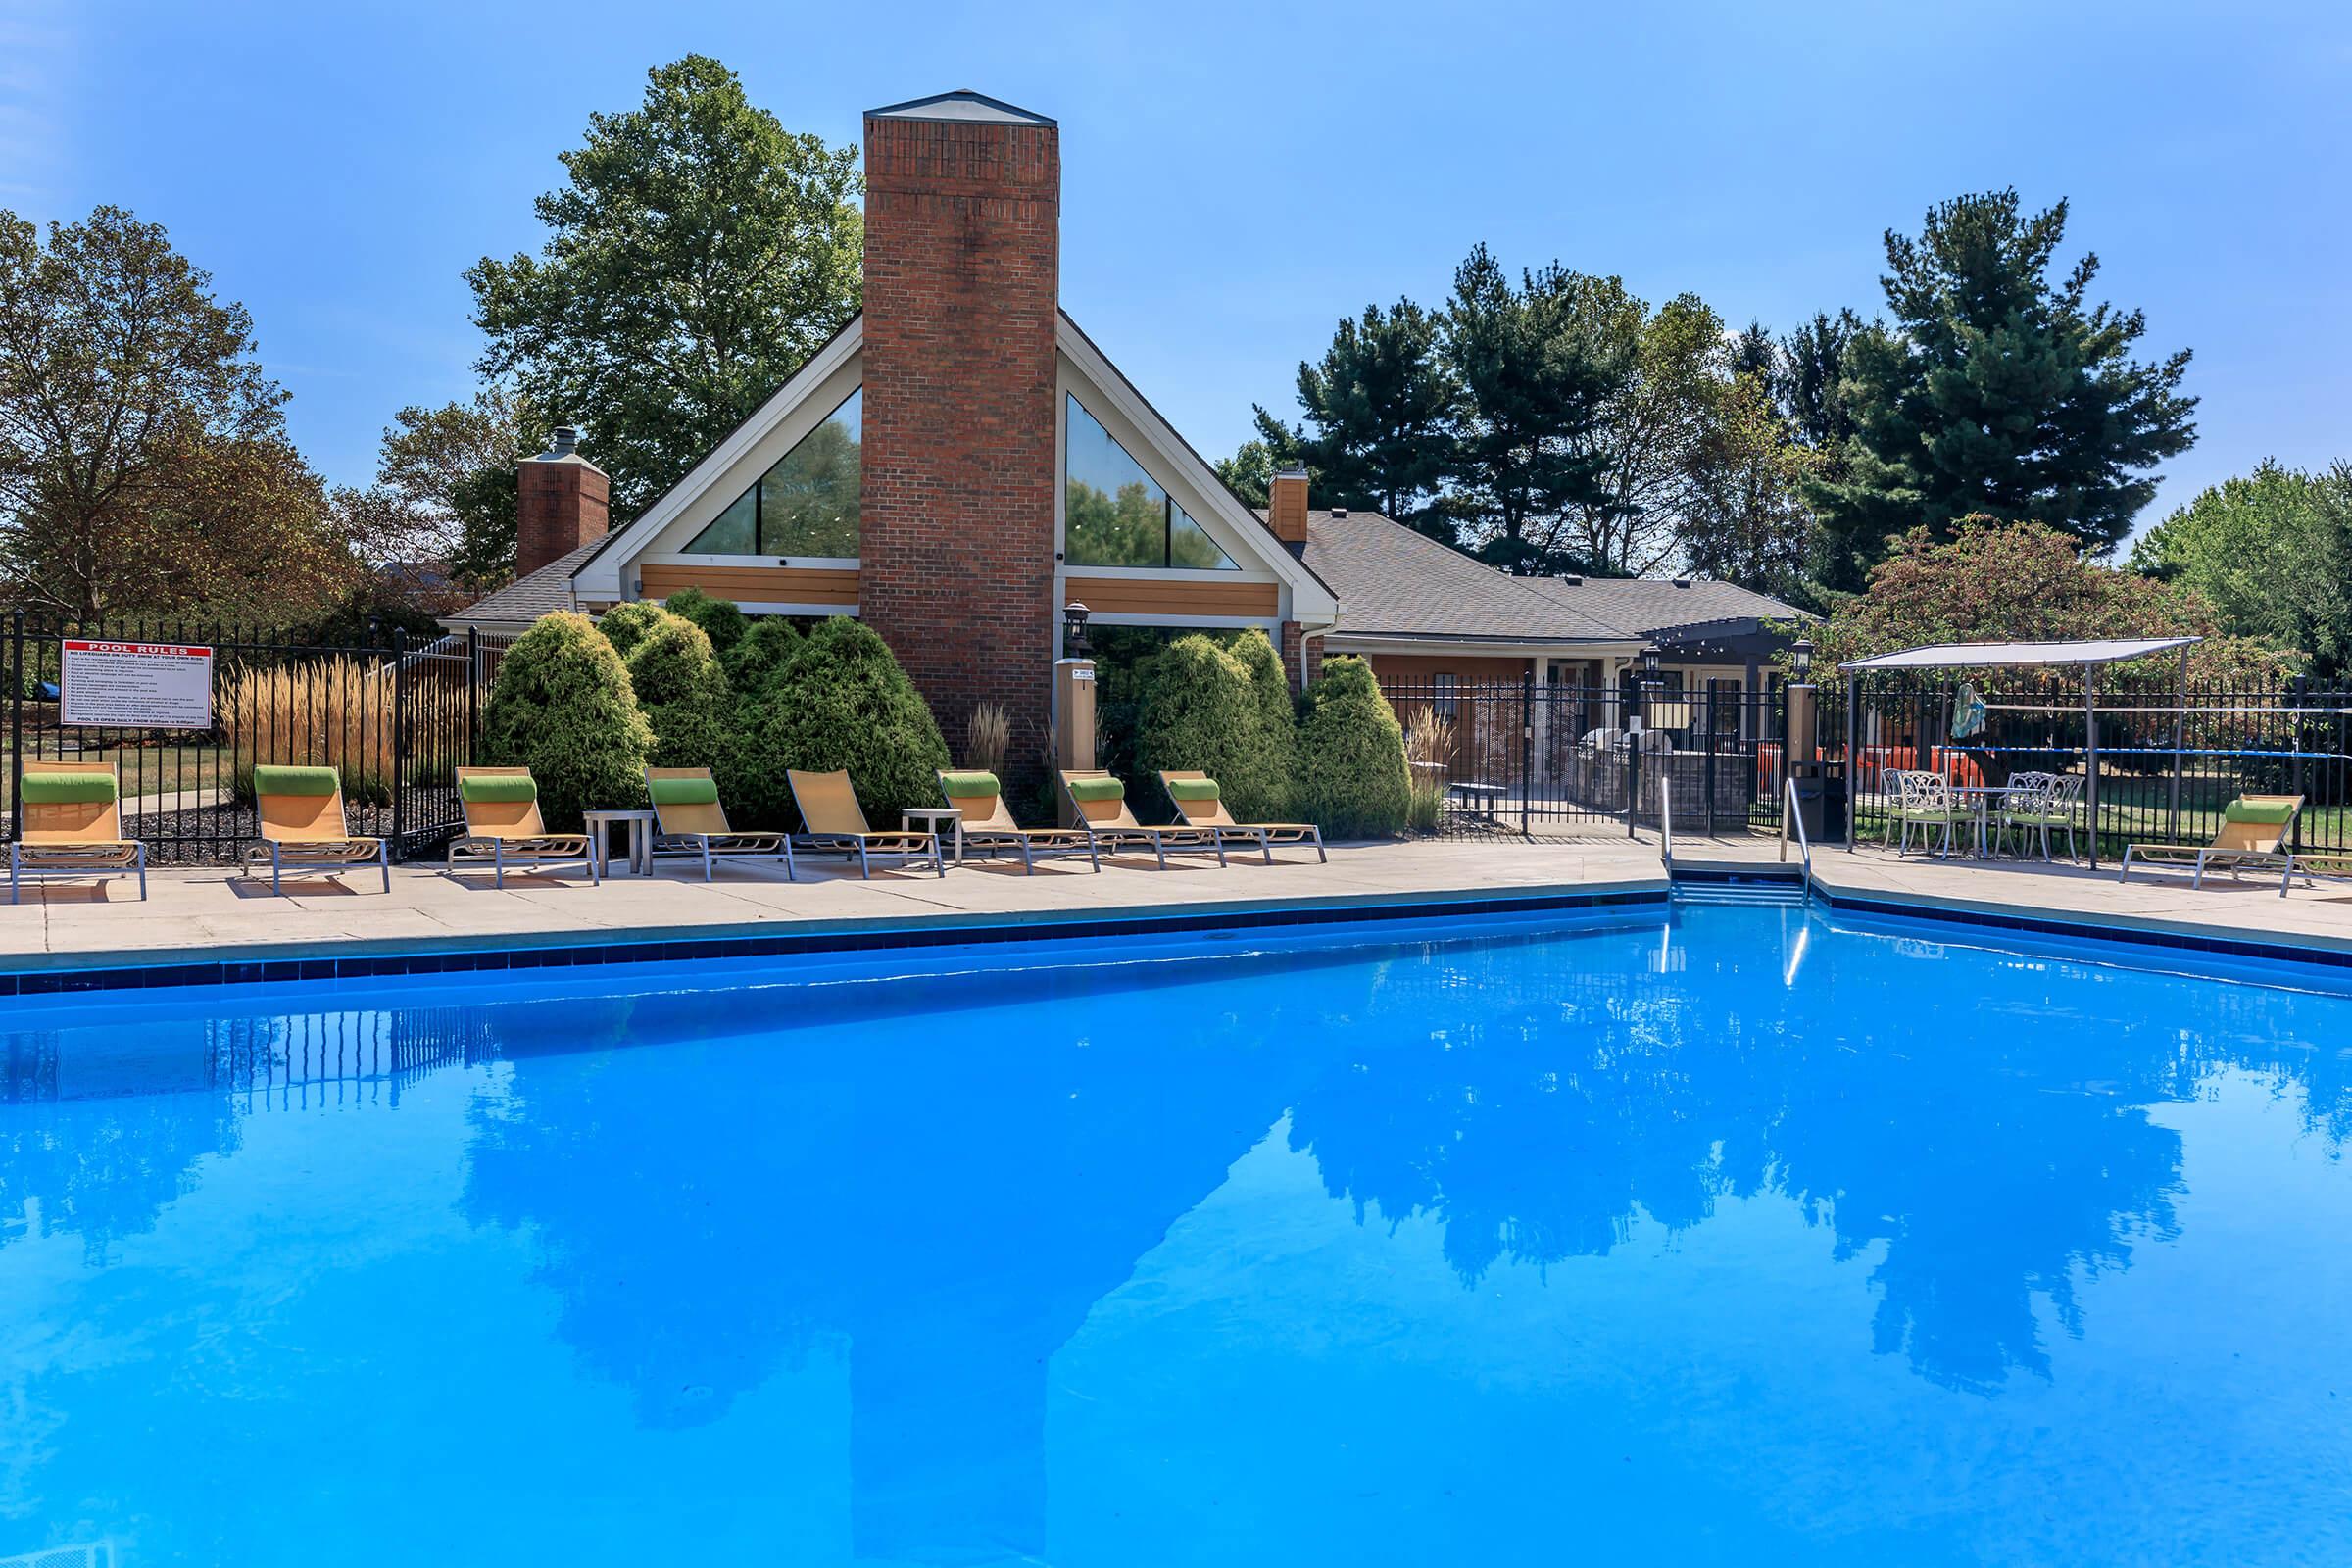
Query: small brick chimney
{"points": [[561, 502], [1286, 508], [963, 284]]}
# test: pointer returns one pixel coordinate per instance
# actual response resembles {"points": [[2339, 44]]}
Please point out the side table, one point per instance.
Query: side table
{"points": [[641, 840], [938, 818]]}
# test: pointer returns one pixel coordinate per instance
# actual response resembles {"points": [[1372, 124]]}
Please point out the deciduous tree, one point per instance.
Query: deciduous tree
{"points": [[144, 464], [698, 253], [2272, 552]]}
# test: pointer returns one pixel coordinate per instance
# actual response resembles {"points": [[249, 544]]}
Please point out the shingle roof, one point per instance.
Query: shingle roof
{"points": [[1394, 581], [526, 599], [1648, 607]]}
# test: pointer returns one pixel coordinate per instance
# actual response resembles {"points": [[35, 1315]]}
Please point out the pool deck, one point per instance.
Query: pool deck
{"points": [[214, 917]]}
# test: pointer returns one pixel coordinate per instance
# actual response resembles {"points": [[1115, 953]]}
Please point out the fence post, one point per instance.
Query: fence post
{"points": [[15, 723], [1633, 766], [473, 676], [2299, 691], [1710, 764], [399, 743], [1526, 742]]}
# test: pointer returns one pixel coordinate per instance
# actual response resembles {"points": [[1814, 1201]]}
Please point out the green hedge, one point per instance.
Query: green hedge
{"points": [[563, 706], [1352, 775], [1276, 737], [753, 662], [1197, 707], [723, 619], [682, 692], [838, 701], [625, 625]]}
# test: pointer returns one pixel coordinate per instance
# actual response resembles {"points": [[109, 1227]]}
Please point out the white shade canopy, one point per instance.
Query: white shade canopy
{"points": [[1982, 656]]}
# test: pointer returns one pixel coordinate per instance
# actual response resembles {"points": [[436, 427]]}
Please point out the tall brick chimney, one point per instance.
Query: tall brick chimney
{"points": [[963, 281], [561, 502], [1286, 508]]}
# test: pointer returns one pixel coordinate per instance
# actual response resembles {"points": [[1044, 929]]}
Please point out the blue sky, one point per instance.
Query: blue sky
{"points": [[1238, 176]]}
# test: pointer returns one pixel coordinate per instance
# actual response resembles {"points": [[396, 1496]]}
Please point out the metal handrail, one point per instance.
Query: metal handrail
{"points": [[1666, 822], [1790, 814]]}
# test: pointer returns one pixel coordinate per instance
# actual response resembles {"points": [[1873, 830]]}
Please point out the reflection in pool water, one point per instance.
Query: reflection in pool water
{"points": [[1753, 1240]]}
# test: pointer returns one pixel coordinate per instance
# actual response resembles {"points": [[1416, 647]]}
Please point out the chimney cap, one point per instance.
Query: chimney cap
{"points": [[1296, 470], [962, 103], [565, 439]]}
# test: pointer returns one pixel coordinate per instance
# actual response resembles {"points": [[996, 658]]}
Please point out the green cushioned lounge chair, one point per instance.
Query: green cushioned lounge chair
{"points": [[989, 827], [689, 821], [503, 827], [2253, 826], [71, 825], [1200, 804], [304, 829]]}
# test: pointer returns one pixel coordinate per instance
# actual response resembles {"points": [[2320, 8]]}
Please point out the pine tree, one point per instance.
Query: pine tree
{"points": [[1997, 391], [1379, 410]]}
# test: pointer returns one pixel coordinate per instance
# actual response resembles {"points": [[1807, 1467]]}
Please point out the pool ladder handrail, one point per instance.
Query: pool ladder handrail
{"points": [[1790, 814], [1666, 827]]}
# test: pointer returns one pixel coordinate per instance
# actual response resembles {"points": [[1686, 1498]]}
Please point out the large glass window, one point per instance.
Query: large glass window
{"points": [[806, 505], [1115, 515]]}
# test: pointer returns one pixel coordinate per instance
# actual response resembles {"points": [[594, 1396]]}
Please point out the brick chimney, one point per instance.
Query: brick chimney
{"points": [[561, 502], [962, 284], [1286, 508]]}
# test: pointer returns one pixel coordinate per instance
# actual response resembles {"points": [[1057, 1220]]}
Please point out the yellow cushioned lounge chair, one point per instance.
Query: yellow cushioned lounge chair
{"points": [[1199, 805], [70, 817], [2252, 828], [834, 820], [689, 821], [988, 828], [504, 828], [303, 826], [1101, 802]]}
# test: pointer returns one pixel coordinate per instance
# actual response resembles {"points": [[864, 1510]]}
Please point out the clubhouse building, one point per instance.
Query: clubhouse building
{"points": [[961, 461]]}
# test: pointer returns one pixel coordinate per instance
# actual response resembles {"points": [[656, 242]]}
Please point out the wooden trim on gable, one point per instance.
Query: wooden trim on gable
{"points": [[1136, 596], [760, 585]]}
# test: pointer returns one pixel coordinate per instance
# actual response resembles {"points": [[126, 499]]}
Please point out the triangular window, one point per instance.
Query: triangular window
{"points": [[1115, 515], [806, 505]]}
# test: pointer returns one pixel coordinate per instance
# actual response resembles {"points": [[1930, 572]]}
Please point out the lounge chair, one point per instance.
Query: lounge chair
{"points": [[834, 820], [1200, 804], [304, 829], [989, 827], [2252, 828], [689, 823], [504, 828], [1104, 814], [71, 825]]}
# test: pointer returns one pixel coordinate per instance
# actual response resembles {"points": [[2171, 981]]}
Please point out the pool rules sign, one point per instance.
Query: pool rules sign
{"points": [[135, 685]]}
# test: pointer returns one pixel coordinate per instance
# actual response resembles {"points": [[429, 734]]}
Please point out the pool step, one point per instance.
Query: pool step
{"points": [[1773, 889]]}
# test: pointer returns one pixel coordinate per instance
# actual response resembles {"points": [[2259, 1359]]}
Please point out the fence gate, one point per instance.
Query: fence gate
{"points": [[1538, 759], [394, 719]]}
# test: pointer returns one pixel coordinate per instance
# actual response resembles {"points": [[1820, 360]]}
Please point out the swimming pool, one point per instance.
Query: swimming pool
{"points": [[1749, 1237]]}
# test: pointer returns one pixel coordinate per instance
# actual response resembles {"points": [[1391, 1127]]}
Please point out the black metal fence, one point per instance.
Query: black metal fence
{"points": [[395, 716], [1536, 758], [2161, 757]]}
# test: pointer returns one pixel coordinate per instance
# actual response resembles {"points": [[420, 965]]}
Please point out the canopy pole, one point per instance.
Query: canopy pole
{"points": [[2090, 737], [2172, 829]]}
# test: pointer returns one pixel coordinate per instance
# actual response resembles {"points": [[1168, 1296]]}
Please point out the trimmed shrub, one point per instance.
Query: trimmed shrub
{"points": [[1277, 734], [757, 655], [1352, 780], [681, 691], [839, 701], [563, 706], [722, 620], [1197, 707], [625, 625]]}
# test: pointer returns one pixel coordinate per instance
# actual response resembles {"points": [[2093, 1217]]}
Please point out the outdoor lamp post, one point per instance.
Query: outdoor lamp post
{"points": [[1800, 652], [1073, 630]]}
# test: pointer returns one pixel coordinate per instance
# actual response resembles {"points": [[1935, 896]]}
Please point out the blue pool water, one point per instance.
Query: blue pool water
{"points": [[1755, 1238]]}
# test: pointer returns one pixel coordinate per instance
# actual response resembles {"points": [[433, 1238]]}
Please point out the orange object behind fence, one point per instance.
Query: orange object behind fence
{"points": [[1872, 762]]}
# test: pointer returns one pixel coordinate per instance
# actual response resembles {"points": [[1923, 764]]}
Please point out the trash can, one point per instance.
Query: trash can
{"points": [[1821, 801]]}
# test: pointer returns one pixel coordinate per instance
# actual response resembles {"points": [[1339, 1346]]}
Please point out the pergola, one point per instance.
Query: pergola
{"points": [[2089, 654]]}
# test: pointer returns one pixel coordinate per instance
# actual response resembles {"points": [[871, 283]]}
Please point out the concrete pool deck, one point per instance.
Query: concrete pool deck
{"points": [[214, 916]]}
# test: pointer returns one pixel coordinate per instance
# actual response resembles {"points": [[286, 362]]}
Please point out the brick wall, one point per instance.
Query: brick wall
{"points": [[1292, 641], [962, 257]]}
